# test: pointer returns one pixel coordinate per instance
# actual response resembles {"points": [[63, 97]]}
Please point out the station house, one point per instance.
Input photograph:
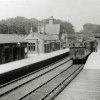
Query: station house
{"points": [[12, 48], [49, 37]]}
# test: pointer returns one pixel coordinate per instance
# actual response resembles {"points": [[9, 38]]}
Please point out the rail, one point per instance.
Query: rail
{"points": [[18, 86], [26, 75], [68, 81]]}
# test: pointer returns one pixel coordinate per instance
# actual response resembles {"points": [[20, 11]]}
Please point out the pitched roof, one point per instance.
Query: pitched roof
{"points": [[51, 28], [41, 36], [10, 38]]}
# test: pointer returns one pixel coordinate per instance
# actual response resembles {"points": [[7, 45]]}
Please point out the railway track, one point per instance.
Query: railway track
{"points": [[57, 63], [53, 87], [8, 89]]}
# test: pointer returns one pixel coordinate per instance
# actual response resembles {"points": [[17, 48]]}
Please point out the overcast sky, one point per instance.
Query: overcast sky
{"points": [[78, 12]]}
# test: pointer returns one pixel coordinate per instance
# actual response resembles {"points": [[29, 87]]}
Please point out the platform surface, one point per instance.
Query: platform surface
{"points": [[86, 86], [33, 58], [93, 62]]}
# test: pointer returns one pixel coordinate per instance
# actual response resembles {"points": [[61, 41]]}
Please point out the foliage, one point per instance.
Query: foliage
{"points": [[88, 27], [22, 25]]}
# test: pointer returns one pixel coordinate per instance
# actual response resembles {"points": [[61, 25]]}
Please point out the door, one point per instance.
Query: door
{"points": [[15, 53], [7, 55]]}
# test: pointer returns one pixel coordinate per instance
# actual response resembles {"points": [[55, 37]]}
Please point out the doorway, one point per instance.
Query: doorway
{"points": [[15, 53], [7, 54]]}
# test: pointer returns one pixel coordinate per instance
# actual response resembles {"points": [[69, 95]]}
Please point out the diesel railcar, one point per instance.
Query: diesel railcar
{"points": [[80, 53]]}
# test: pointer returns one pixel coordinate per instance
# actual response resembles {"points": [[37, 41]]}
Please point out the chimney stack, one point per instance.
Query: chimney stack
{"points": [[51, 20]]}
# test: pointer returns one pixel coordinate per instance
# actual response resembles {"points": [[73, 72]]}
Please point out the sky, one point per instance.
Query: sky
{"points": [[77, 12]]}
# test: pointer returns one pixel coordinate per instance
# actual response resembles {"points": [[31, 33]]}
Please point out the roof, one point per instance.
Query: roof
{"points": [[97, 34], [10, 38], [73, 35], [41, 36], [51, 28]]}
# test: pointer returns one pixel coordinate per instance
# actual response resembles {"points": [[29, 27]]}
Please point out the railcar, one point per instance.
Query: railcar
{"points": [[91, 45], [79, 54], [80, 50]]}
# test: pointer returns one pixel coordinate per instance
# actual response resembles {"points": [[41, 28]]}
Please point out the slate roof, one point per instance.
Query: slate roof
{"points": [[10, 38], [52, 29], [97, 34], [80, 35], [71, 35], [41, 36]]}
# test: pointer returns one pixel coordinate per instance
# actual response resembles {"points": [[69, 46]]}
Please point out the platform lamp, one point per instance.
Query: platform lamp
{"points": [[18, 43]]}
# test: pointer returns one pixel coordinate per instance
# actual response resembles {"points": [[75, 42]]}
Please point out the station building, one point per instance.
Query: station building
{"points": [[12, 48], [49, 37], [41, 43]]}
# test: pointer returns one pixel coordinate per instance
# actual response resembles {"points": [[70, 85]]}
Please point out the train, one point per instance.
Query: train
{"points": [[77, 53], [81, 50]]}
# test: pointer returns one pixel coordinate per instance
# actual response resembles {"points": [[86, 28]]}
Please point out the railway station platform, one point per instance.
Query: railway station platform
{"points": [[86, 86], [32, 58]]}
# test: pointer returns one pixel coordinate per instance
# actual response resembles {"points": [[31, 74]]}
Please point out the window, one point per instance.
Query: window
{"points": [[31, 47], [46, 48]]}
